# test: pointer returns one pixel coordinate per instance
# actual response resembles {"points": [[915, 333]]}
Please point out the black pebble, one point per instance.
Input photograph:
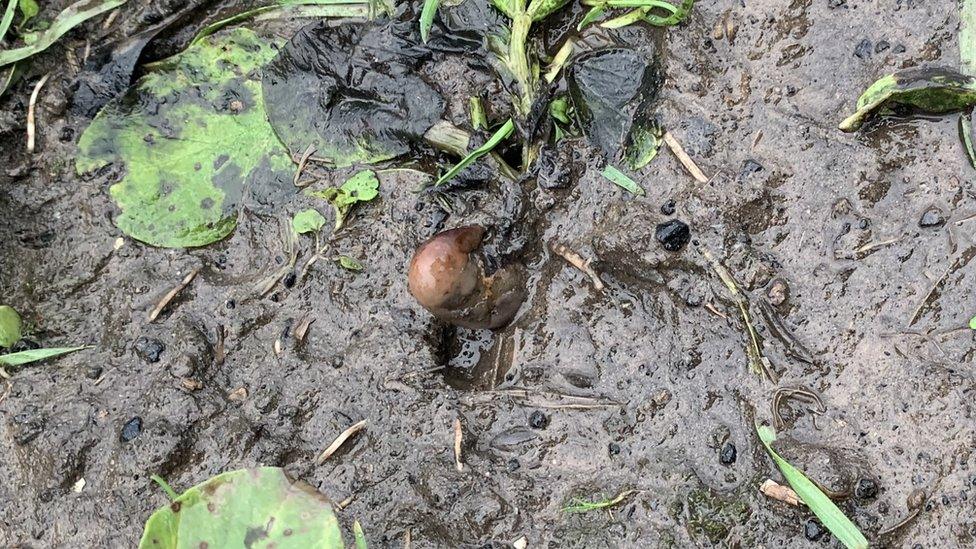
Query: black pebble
{"points": [[932, 218], [836, 3], [863, 49], [149, 349], [881, 46], [94, 372], [131, 429], [668, 208], [673, 235], [812, 530], [866, 489], [513, 465], [337, 362], [538, 420], [727, 454], [25, 344], [750, 167], [613, 448], [898, 49]]}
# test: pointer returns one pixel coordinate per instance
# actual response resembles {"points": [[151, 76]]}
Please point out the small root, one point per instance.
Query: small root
{"points": [[172, 294], [458, 436], [32, 113], [583, 265], [339, 441], [683, 157]]}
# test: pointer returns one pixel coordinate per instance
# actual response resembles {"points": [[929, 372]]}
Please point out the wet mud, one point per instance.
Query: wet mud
{"points": [[854, 252]]}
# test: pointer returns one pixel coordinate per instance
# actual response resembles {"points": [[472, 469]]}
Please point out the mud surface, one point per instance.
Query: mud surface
{"points": [[644, 387]]}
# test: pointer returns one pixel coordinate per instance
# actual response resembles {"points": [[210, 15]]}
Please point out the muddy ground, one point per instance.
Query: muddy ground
{"points": [[875, 306]]}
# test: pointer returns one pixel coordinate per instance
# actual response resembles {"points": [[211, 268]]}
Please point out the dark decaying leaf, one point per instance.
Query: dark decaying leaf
{"points": [[610, 89], [928, 90], [193, 141], [351, 91], [258, 507]]}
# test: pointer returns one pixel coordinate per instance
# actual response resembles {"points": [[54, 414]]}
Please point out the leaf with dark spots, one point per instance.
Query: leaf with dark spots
{"points": [[249, 508], [351, 91], [610, 89], [927, 90]]}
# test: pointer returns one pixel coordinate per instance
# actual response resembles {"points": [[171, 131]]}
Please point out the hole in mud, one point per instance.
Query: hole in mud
{"points": [[470, 359]]}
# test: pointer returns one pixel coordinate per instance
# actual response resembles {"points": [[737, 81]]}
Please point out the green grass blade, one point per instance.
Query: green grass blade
{"points": [[8, 17], [478, 118], [71, 17], [830, 516], [359, 535], [25, 357], [500, 135], [967, 37], [595, 13], [621, 179], [427, 18]]}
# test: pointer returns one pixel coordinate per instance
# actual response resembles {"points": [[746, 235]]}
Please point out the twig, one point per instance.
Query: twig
{"points": [[172, 293], [110, 19], [302, 330], [220, 351], [711, 308], [32, 112], [302, 162], [777, 491], [576, 260], [457, 444], [345, 503], [339, 441], [928, 295], [271, 281], [683, 157]]}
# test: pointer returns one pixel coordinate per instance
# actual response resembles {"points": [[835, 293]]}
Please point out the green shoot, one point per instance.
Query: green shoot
{"points": [[8, 17], [28, 10], [500, 135], [307, 221], [830, 516], [170, 493], [648, 11], [361, 187], [427, 18], [71, 17], [478, 118], [34, 355], [972, 323], [559, 60], [578, 505], [349, 263], [621, 179], [359, 535], [10, 326]]}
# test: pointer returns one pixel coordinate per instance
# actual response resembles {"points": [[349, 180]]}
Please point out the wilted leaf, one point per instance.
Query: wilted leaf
{"points": [[645, 139], [622, 180], [193, 139], [307, 221], [928, 90], [34, 355], [830, 516], [610, 89], [361, 187], [349, 263], [8, 17], [71, 17], [351, 91], [258, 507], [10, 326]]}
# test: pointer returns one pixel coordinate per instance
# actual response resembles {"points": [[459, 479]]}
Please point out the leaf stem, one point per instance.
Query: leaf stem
{"points": [[165, 486]]}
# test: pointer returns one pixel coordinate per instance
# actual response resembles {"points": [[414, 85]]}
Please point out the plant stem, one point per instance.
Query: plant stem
{"points": [[519, 61]]}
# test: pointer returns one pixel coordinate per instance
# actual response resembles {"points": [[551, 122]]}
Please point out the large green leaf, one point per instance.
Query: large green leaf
{"points": [[930, 90], [258, 508], [9, 326], [193, 138]]}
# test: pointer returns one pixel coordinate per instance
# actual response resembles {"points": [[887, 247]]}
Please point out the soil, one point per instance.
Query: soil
{"points": [[645, 386]]}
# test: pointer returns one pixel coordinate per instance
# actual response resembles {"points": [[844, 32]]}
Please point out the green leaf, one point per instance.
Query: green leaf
{"points": [[645, 12], [830, 516], [361, 187], [359, 535], [10, 326], [71, 17], [349, 263], [595, 13], [930, 90], [193, 139], [540, 9], [478, 118], [26, 357], [307, 221], [559, 110], [28, 10], [8, 17], [508, 7], [645, 139], [427, 18], [621, 179], [500, 135], [972, 323], [258, 507]]}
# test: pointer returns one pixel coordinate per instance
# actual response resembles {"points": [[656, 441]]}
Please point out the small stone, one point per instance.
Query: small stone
{"points": [[513, 465], [778, 292], [866, 489], [337, 362], [131, 429], [881, 46], [812, 530], [836, 4], [668, 207], [750, 167], [67, 134], [149, 349], [727, 454], [94, 372], [237, 395], [613, 448], [900, 48], [673, 235], [863, 49], [538, 420], [932, 217]]}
